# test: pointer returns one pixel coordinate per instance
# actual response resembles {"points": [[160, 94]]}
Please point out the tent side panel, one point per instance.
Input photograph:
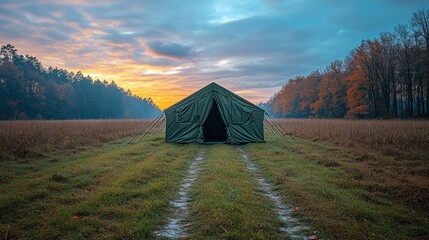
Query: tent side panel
{"points": [[248, 132]]}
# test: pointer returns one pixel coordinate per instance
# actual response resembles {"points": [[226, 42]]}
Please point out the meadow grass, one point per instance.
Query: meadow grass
{"points": [[23, 140], [227, 202], [400, 139], [114, 190], [121, 192], [343, 195]]}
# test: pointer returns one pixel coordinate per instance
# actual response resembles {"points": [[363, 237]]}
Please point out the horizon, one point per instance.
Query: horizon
{"points": [[168, 51]]}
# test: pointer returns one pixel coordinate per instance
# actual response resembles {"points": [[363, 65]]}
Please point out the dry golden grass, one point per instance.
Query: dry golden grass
{"points": [[398, 138], [29, 139], [389, 158]]}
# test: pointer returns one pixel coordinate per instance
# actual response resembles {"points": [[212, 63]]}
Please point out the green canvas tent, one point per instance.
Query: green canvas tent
{"points": [[214, 114]]}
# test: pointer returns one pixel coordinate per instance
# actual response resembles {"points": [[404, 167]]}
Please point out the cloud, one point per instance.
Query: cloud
{"points": [[167, 49], [171, 50]]}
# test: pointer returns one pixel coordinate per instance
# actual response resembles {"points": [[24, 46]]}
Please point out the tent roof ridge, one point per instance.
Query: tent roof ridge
{"points": [[213, 86]]}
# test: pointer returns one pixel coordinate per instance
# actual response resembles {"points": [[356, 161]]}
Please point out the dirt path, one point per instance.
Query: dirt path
{"points": [[176, 225], [291, 225]]}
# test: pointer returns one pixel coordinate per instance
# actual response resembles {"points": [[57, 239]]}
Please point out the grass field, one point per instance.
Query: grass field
{"points": [[400, 139], [20, 140], [340, 187]]}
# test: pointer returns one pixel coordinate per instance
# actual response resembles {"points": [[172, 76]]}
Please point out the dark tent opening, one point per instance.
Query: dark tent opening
{"points": [[214, 128]]}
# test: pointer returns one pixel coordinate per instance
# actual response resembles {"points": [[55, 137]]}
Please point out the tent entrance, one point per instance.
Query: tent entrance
{"points": [[214, 128]]}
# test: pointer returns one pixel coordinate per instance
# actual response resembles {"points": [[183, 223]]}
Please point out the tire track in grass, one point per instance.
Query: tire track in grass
{"points": [[226, 203], [291, 225], [175, 227]]}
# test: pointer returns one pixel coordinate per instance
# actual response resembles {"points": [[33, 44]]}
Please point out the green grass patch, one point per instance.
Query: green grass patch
{"points": [[122, 191], [228, 204], [334, 194], [118, 191]]}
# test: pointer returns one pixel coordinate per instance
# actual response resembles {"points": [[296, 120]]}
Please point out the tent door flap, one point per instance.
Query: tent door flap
{"points": [[214, 128]]}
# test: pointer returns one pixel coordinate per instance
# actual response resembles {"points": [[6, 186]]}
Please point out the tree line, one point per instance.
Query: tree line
{"points": [[385, 77], [30, 91]]}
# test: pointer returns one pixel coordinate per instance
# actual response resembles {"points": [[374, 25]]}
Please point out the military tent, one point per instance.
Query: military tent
{"points": [[214, 114]]}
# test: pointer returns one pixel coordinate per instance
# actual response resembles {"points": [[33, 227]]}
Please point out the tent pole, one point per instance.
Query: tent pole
{"points": [[276, 131], [284, 130], [144, 131], [162, 126], [279, 127], [137, 136], [149, 131], [156, 128], [267, 124]]}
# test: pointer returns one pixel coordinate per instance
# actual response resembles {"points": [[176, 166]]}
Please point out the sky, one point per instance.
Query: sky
{"points": [[167, 49]]}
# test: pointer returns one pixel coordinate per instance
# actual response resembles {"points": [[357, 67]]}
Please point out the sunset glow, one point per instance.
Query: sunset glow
{"points": [[165, 50]]}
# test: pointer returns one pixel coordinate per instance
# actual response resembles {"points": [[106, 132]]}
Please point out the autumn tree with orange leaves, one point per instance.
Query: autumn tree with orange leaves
{"points": [[386, 77]]}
